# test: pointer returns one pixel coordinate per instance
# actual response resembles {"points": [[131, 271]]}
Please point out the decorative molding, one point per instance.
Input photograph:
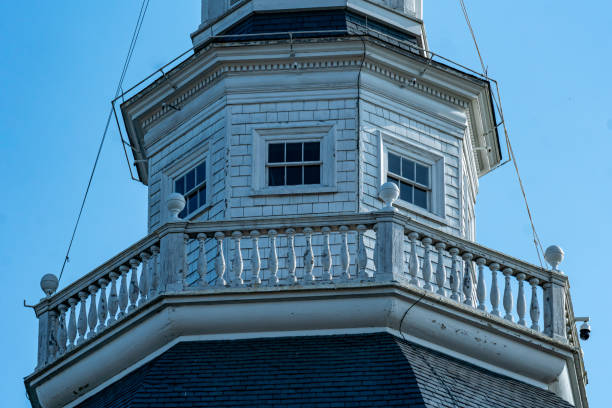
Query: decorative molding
{"points": [[207, 79]]}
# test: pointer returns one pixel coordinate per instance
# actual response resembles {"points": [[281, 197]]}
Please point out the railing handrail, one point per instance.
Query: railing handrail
{"points": [[84, 281], [478, 250], [284, 222], [281, 222]]}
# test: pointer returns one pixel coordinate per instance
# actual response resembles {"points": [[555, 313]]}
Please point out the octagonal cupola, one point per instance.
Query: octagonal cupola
{"points": [[222, 16]]}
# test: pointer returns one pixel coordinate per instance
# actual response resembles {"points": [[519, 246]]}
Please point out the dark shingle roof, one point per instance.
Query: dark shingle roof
{"points": [[308, 24], [322, 371]]}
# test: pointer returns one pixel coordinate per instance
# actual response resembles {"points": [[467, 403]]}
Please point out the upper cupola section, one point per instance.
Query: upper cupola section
{"points": [[398, 18]]}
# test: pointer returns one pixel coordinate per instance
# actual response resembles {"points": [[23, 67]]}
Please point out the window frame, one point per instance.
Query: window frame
{"points": [[196, 188], [413, 183], [402, 147], [285, 164], [262, 137], [181, 166]]}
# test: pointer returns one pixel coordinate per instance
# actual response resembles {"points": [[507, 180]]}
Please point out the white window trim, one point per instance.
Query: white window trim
{"points": [[178, 168], [402, 147], [325, 135]]}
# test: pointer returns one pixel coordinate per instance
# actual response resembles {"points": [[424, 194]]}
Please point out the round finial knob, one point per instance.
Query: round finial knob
{"points": [[389, 192], [176, 204], [554, 256], [49, 284]]}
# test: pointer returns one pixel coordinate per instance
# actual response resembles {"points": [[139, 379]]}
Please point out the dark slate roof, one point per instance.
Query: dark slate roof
{"points": [[308, 24], [373, 370]]}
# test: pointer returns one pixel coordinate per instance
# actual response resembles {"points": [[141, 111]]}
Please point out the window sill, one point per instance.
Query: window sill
{"points": [[406, 206], [290, 190]]}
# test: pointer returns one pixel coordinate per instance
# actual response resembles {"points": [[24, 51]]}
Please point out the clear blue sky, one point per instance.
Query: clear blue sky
{"points": [[61, 63]]}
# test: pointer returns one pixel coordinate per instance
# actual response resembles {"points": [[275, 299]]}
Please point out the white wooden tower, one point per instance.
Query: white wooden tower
{"points": [[312, 170]]}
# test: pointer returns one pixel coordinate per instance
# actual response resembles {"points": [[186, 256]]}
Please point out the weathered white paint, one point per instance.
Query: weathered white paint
{"points": [[341, 307], [360, 100]]}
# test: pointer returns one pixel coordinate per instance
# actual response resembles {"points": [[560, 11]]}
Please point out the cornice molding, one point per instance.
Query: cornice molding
{"points": [[208, 78]]}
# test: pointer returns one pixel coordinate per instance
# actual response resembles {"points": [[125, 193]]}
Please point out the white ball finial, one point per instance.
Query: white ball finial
{"points": [[49, 284], [389, 192], [554, 256], [175, 203]]}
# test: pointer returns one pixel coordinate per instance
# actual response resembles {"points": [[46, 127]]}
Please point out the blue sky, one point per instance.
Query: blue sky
{"points": [[60, 69]]}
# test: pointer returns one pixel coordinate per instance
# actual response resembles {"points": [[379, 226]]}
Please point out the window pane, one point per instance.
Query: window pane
{"points": [[183, 213], [192, 203], [294, 152], [312, 152], [394, 181], [276, 152], [408, 169], [201, 173], [179, 186], [190, 180], [420, 197], [394, 164], [202, 195], [422, 174], [276, 176], [294, 175], [312, 174], [406, 192]]}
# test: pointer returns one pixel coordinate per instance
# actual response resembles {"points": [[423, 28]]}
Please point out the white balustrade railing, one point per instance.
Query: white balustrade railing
{"points": [[308, 250]]}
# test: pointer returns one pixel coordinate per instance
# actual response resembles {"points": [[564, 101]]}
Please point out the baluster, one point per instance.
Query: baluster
{"points": [[102, 305], [521, 304], [220, 261], [326, 257], [481, 286], [92, 318], [273, 258], [467, 279], [154, 284], [345, 257], [362, 255], [237, 263], [308, 257], [440, 270], [185, 269], [144, 278], [377, 251], [133, 284], [255, 258], [72, 324], [534, 310], [413, 262], [61, 330], [291, 255], [494, 267], [202, 260], [113, 301], [508, 295], [123, 292], [53, 349], [454, 276], [427, 268]]}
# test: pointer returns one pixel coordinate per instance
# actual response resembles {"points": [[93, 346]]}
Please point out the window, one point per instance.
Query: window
{"points": [[293, 164], [293, 160], [412, 178], [192, 185]]}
